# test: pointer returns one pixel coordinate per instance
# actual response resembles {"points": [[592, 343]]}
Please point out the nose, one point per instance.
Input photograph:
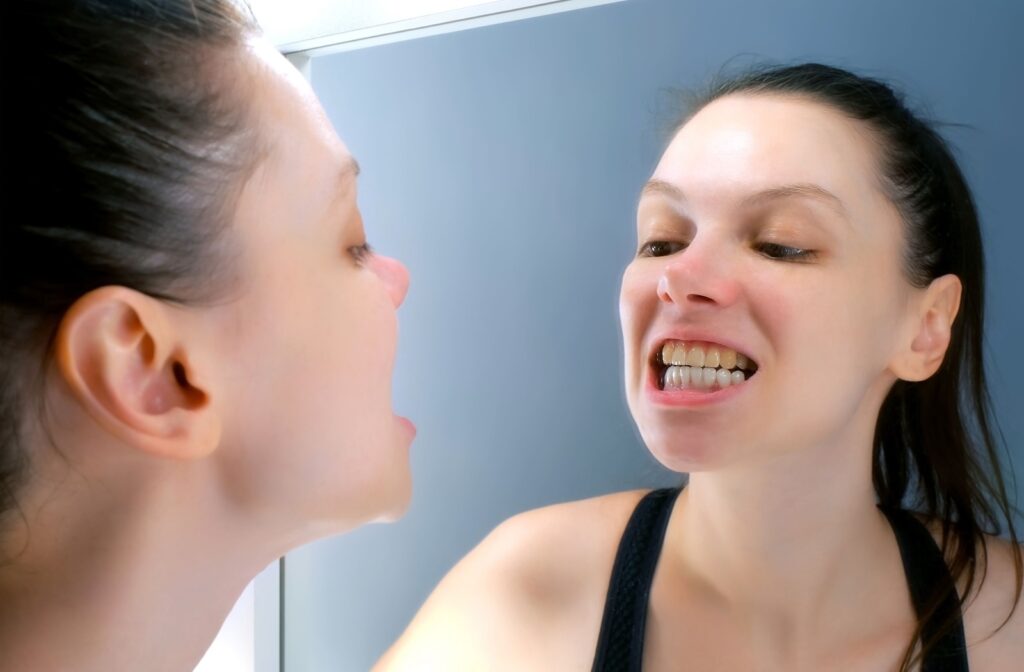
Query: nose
{"points": [[393, 274], [701, 274]]}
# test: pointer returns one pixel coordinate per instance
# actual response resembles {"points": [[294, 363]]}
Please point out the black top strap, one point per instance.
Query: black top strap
{"points": [[620, 646], [926, 571]]}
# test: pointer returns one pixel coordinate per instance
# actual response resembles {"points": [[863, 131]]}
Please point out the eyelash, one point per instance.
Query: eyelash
{"points": [[788, 253], [360, 252], [770, 250]]}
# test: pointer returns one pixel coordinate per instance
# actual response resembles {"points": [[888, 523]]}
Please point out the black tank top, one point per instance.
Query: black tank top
{"points": [[620, 645]]}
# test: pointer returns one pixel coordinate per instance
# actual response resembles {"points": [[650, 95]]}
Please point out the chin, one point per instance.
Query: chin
{"points": [[398, 500], [686, 455], [397, 512]]}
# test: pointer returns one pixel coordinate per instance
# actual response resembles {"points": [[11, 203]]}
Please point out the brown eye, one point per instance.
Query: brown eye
{"points": [[659, 248], [784, 252]]}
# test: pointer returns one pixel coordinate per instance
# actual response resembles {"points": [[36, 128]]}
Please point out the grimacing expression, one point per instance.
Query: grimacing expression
{"points": [[309, 350], [762, 308]]}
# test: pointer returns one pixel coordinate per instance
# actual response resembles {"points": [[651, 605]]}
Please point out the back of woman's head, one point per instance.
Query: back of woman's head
{"points": [[934, 448], [124, 140]]}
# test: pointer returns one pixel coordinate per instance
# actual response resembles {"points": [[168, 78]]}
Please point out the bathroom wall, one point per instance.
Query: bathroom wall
{"points": [[502, 165]]}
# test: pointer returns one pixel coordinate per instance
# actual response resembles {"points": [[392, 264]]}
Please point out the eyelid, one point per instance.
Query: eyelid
{"points": [[644, 251], [799, 253]]}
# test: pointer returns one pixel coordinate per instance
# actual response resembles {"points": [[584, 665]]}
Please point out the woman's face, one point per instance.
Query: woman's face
{"points": [[308, 350], [763, 232]]}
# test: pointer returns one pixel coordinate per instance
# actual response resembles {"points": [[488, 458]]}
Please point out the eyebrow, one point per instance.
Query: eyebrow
{"points": [[795, 190], [349, 171]]}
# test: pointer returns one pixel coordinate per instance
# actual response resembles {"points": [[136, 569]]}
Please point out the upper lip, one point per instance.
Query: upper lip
{"points": [[689, 334]]}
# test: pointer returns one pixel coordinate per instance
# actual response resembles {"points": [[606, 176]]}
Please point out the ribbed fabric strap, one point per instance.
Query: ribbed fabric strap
{"points": [[926, 571], [620, 644]]}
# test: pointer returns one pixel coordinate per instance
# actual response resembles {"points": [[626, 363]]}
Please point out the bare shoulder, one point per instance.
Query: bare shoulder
{"points": [[995, 639], [536, 583], [993, 645]]}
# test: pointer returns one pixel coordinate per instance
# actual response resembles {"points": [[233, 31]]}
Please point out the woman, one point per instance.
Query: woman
{"points": [[197, 340], [803, 326]]}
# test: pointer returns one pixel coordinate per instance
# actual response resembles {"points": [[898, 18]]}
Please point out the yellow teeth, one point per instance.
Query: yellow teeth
{"points": [[677, 353]]}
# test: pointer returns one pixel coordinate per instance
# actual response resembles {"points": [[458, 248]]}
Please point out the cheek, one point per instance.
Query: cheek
{"points": [[638, 302], [638, 297], [356, 343], [315, 427], [829, 336]]}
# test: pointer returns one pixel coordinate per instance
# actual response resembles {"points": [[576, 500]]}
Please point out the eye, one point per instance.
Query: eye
{"points": [[360, 252], [785, 252], [659, 248]]}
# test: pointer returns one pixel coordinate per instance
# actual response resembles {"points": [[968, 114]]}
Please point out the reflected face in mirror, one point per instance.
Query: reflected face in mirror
{"points": [[764, 231], [309, 348]]}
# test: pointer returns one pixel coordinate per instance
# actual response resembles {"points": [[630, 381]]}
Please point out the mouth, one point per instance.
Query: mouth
{"points": [[700, 366]]}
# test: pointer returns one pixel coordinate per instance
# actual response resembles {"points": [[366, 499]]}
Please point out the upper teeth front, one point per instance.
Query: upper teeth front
{"points": [[702, 366], [681, 354]]}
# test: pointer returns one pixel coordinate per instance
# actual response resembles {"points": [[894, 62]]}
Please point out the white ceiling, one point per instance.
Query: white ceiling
{"points": [[304, 25]]}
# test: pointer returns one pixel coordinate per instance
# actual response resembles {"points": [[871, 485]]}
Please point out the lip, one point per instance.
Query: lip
{"points": [[690, 398]]}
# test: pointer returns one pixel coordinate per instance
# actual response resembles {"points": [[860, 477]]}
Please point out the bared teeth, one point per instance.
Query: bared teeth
{"points": [[678, 353], [700, 378]]}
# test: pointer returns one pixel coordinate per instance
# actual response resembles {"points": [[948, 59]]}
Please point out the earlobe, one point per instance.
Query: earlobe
{"points": [[933, 330], [126, 365]]}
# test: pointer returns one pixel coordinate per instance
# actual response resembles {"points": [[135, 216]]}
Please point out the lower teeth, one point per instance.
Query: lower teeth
{"points": [[700, 378]]}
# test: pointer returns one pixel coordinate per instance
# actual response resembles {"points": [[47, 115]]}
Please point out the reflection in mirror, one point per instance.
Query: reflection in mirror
{"points": [[523, 171]]}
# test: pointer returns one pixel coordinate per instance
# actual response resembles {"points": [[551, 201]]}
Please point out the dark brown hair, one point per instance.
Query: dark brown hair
{"points": [[124, 141], [935, 448]]}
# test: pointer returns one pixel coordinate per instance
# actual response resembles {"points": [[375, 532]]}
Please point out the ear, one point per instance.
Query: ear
{"points": [[129, 369], [930, 330]]}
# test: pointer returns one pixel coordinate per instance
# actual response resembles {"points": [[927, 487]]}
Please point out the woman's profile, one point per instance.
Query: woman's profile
{"points": [[802, 323], [197, 342]]}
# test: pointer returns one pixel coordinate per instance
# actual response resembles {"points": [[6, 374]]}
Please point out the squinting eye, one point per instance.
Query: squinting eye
{"points": [[659, 248], [784, 252], [360, 252]]}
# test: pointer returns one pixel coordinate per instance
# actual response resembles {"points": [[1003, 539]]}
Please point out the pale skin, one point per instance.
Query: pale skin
{"points": [[198, 444], [775, 557]]}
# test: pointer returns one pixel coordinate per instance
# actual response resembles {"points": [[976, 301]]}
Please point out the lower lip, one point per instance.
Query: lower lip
{"points": [[407, 424], [690, 398]]}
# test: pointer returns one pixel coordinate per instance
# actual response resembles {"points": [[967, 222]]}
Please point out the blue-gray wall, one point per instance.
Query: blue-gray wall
{"points": [[502, 165]]}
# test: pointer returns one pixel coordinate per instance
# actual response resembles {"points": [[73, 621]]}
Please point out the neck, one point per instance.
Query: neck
{"points": [[795, 549], [136, 578]]}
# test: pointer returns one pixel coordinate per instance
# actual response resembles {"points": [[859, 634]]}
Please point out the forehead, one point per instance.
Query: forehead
{"points": [[294, 120], [306, 164], [745, 143]]}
